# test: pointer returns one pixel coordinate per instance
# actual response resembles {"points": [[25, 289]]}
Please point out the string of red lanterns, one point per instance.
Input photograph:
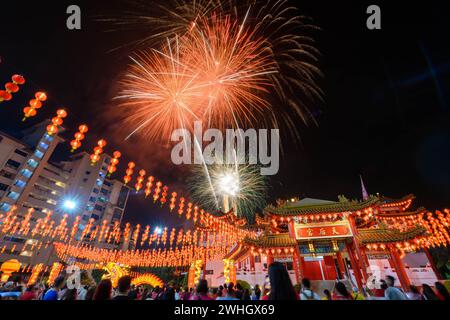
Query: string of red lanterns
{"points": [[34, 104], [79, 136], [11, 87], [98, 150], [56, 122]]}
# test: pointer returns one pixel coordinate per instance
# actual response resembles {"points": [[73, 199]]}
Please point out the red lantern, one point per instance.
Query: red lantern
{"points": [[129, 172], [172, 201], [114, 162], [148, 186], [11, 87], [76, 143], [140, 179], [56, 122], [164, 195], [157, 191], [181, 206], [95, 157], [34, 104]]}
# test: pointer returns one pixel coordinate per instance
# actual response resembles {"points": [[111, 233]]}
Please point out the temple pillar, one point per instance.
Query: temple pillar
{"points": [[297, 266], [397, 263], [361, 260], [355, 266], [433, 266], [252, 262], [299, 261], [341, 265]]}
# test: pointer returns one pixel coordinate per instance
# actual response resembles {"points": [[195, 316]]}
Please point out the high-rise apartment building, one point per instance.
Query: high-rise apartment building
{"points": [[76, 187]]}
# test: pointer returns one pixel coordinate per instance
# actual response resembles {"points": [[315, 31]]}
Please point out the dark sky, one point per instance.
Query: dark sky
{"points": [[385, 113]]}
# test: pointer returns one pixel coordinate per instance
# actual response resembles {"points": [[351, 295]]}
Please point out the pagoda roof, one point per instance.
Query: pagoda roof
{"points": [[386, 235], [314, 206], [272, 240]]}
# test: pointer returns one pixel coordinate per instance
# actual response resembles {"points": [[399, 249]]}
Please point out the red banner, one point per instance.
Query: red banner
{"points": [[341, 230]]}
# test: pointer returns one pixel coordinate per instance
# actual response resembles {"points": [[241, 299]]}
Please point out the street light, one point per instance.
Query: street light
{"points": [[69, 204]]}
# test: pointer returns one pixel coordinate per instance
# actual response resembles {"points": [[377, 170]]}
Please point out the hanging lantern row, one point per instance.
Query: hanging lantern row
{"points": [[11, 87], [98, 150], [79, 136], [129, 172], [56, 122], [149, 185], [114, 162], [34, 104], [140, 180]]}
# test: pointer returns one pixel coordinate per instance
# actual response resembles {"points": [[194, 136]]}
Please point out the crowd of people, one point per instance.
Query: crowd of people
{"points": [[279, 287]]}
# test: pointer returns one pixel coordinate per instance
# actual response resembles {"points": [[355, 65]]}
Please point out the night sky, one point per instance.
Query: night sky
{"points": [[385, 113]]}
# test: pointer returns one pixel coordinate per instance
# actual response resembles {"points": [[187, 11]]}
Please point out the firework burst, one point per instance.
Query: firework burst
{"points": [[282, 83], [241, 185], [160, 94], [217, 73]]}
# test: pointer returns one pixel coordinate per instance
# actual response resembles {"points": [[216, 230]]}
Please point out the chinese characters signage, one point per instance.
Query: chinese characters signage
{"points": [[325, 230]]}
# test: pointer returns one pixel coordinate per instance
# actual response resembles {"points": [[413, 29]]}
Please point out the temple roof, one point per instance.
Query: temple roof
{"points": [[272, 240], [386, 235], [313, 206]]}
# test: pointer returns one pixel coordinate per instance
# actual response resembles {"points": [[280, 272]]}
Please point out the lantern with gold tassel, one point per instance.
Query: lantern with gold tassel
{"points": [[181, 206], [34, 104], [76, 143], [56, 122], [129, 172], [114, 162], [140, 179], [98, 150], [164, 195], [173, 198], [149, 185], [157, 191], [11, 87]]}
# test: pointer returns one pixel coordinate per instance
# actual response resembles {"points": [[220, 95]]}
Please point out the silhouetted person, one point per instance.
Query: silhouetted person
{"points": [[281, 287], [428, 293], [123, 288], [103, 290]]}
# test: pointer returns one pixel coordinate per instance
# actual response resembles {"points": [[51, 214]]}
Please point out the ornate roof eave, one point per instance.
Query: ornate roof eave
{"points": [[230, 217], [387, 214], [404, 202], [336, 207], [279, 240], [386, 235]]}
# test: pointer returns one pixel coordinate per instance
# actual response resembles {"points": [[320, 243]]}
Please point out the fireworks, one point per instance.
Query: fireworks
{"points": [[232, 64], [216, 74], [224, 187]]}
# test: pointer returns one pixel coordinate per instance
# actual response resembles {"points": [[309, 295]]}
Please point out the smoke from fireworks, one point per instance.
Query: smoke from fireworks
{"points": [[239, 55]]}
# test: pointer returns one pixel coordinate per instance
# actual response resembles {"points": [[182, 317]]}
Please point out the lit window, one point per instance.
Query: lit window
{"points": [[26, 253], [38, 154], [5, 206], [43, 145], [60, 184], [19, 183], [13, 195], [26, 173], [32, 163], [48, 137], [51, 201]]}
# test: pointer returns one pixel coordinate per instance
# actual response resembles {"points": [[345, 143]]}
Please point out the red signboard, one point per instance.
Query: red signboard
{"points": [[308, 231]]}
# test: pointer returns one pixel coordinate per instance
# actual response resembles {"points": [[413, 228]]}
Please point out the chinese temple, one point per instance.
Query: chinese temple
{"points": [[344, 239]]}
